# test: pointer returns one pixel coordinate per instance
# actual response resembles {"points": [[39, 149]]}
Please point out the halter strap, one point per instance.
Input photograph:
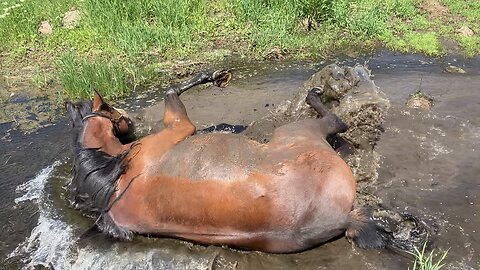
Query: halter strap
{"points": [[115, 121]]}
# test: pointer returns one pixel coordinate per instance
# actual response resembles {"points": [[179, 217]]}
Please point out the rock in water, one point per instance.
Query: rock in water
{"points": [[420, 100], [454, 69]]}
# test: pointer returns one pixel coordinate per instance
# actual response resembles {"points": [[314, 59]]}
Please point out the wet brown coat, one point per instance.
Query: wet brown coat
{"points": [[288, 195]]}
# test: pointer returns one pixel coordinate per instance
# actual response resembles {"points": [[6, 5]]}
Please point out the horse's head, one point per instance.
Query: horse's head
{"points": [[98, 153], [122, 125]]}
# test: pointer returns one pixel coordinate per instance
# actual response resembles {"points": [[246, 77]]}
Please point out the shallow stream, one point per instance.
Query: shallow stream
{"points": [[429, 166]]}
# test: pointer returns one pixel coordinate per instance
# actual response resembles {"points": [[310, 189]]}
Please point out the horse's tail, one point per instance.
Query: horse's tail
{"points": [[363, 231], [377, 227]]}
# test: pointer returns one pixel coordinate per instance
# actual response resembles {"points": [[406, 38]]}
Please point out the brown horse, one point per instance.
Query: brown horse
{"points": [[288, 195]]}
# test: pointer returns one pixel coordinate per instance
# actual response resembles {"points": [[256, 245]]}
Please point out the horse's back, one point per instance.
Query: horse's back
{"points": [[210, 156]]}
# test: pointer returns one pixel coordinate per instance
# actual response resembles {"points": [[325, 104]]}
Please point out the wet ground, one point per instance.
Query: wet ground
{"points": [[429, 167]]}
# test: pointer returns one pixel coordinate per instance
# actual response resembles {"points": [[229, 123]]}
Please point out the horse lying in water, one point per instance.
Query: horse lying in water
{"points": [[288, 195]]}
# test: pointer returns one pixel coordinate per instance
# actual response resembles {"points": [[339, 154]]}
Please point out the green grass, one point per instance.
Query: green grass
{"points": [[40, 79], [428, 261], [470, 45], [80, 77], [124, 39]]}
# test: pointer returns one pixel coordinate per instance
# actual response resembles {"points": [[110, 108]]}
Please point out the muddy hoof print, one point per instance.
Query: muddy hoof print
{"points": [[405, 230], [222, 78]]}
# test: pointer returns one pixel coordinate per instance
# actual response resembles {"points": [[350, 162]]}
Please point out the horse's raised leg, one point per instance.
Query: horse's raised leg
{"points": [[312, 130], [220, 78], [175, 118], [333, 123]]}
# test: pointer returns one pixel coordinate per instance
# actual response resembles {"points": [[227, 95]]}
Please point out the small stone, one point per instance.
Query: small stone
{"points": [[465, 31], [71, 19], [454, 69], [45, 28]]}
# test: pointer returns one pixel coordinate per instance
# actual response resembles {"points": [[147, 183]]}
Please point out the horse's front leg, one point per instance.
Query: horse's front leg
{"points": [[220, 78], [175, 118]]}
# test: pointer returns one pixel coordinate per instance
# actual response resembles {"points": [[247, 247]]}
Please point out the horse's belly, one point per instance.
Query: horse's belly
{"points": [[210, 156]]}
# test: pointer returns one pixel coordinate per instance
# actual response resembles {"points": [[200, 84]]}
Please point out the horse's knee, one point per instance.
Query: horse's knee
{"points": [[189, 128], [174, 111]]}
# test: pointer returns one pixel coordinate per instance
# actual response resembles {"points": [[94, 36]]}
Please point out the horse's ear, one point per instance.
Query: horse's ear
{"points": [[98, 103], [73, 112], [70, 108]]}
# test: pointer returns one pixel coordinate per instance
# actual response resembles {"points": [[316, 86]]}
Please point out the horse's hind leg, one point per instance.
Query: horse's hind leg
{"points": [[333, 123]]}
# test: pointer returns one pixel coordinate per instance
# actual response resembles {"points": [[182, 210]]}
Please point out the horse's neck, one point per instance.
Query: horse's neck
{"points": [[99, 135]]}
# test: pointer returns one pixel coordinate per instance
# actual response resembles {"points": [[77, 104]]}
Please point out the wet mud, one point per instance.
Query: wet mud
{"points": [[28, 99], [426, 166]]}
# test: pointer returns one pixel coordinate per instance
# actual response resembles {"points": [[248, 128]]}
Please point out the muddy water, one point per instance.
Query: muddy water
{"points": [[429, 167]]}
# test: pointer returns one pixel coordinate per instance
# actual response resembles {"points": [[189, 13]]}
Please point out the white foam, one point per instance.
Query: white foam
{"points": [[34, 188], [50, 241], [49, 244]]}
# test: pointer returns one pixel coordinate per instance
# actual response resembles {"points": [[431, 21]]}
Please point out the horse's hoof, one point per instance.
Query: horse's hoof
{"points": [[222, 78]]}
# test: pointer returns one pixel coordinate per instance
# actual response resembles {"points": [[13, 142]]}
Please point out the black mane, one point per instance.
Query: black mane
{"points": [[95, 175]]}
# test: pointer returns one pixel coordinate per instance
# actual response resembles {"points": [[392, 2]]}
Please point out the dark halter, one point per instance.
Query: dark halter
{"points": [[115, 121]]}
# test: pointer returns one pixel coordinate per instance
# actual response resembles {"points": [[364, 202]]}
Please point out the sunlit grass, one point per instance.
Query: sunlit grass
{"points": [[428, 261], [118, 36], [470, 45], [81, 77]]}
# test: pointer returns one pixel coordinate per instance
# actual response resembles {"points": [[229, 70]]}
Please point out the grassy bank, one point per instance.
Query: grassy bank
{"points": [[117, 43]]}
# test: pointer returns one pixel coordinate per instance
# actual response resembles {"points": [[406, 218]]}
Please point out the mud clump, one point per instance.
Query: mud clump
{"points": [[420, 100], [363, 109], [404, 231]]}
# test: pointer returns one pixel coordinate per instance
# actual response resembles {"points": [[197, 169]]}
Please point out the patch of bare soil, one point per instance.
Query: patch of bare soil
{"points": [[28, 97], [434, 9]]}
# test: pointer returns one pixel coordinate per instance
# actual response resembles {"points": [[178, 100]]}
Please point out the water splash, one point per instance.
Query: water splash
{"points": [[34, 188], [53, 242], [50, 241]]}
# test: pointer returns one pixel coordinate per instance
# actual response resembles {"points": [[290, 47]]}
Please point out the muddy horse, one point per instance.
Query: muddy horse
{"points": [[288, 195]]}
